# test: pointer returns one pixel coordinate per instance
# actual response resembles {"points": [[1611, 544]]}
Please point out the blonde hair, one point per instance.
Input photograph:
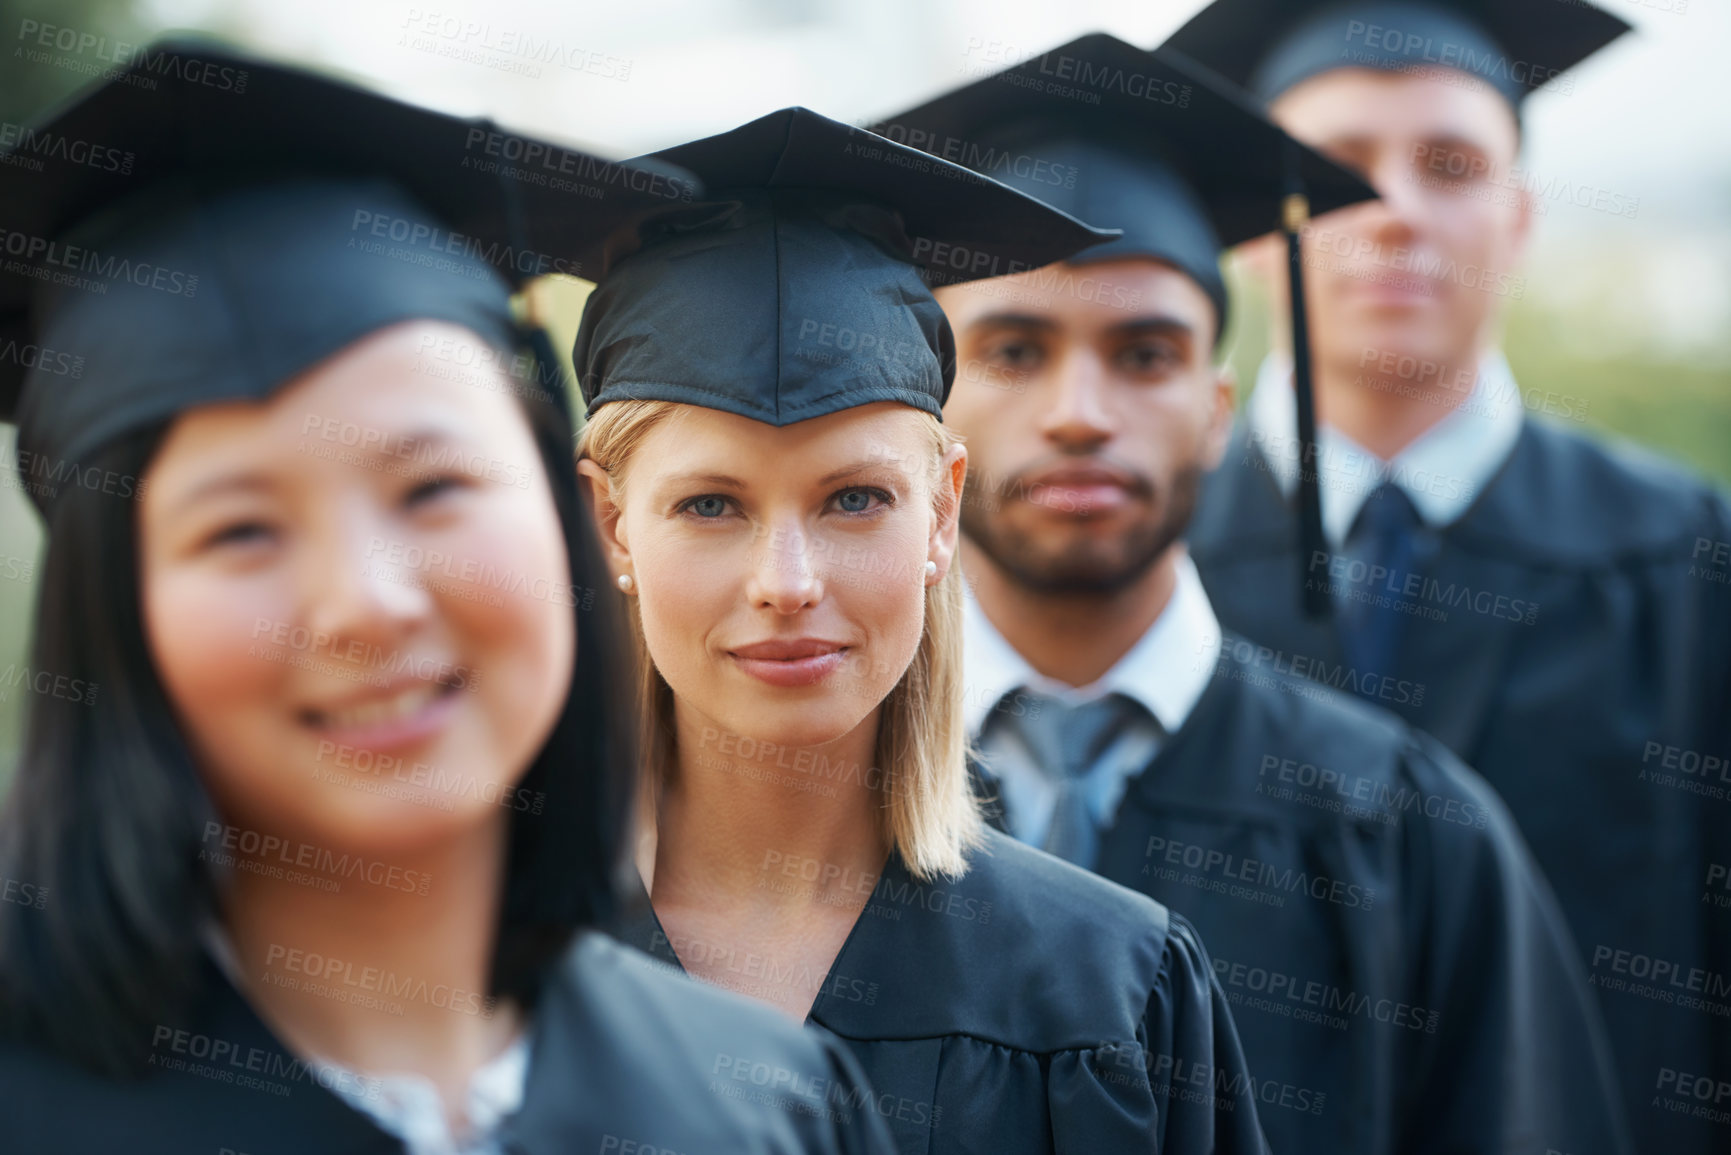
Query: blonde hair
{"points": [[928, 808]]}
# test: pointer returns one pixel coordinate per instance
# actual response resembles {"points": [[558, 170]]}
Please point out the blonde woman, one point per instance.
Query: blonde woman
{"points": [[778, 499]]}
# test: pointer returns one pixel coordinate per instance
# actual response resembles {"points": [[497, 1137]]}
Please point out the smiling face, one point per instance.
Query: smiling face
{"points": [[1422, 271], [780, 572], [360, 582], [1089, 423]]}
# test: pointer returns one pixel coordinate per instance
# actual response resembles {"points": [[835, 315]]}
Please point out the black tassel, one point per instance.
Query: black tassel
{"points": [[1313, 594]]}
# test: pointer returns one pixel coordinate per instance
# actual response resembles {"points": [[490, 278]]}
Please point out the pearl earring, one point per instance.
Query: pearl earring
{"points": [[931, 570], [626, 582]]}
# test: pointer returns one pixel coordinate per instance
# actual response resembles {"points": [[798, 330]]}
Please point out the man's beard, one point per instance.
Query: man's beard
{"points": [[1062, 567]]}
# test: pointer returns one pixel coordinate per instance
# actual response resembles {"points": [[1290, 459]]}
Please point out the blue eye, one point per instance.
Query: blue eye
{"points": [[859, 501], [708, 507]]}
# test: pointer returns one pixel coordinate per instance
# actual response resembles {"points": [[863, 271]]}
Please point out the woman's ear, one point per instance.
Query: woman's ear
{"points": [[604, 508], [952, 475]]}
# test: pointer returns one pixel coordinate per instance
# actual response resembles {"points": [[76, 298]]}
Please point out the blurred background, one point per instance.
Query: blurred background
{"points": [[1629, 310]]}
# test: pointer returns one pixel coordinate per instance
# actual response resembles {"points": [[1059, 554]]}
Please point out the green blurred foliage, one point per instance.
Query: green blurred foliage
{"points": [[26, 86], [1680, 408]]}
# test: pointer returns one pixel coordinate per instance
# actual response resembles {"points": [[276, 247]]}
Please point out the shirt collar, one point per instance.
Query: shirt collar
{"points": [[1166, 670], [1442, 471]]}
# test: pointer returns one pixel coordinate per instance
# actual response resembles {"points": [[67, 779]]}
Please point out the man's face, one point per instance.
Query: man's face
{"points": [[1090, 418], [1422, 271]]}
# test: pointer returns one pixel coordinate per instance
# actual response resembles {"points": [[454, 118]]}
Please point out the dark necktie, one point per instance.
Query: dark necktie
{"points": [[1068, 743], [1386, 541]]}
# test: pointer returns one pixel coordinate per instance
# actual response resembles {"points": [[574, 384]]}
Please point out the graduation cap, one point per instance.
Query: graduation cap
{"points": [[1146, 142], [244, 220], [1516, 46], [1163, 148], [799, 285]]}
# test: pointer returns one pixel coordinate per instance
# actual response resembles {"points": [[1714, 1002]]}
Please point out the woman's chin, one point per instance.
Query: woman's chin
{"points": [[744, 732]]}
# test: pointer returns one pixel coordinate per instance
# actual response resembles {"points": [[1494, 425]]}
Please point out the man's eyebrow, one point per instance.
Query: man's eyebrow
{"points": [[1010, 320], [1154, 325]]}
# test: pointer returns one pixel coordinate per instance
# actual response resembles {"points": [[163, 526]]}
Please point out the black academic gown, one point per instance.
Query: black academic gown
{"points": [[1030, 1008], [1597, 712], [623, 1051], [1399, 973]]}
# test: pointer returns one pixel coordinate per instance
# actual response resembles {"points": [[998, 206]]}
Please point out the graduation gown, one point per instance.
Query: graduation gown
{"points": [[1030, 1007], [623, 1051], [1597, 712], [1399, 973]]}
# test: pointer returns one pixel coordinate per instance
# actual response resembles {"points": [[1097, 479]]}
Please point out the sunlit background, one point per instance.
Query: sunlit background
{"points": [[1631, 312]]}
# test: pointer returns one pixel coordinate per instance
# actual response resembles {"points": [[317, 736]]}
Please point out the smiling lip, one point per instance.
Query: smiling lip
{"points": [[403, 714], [794, 662]]}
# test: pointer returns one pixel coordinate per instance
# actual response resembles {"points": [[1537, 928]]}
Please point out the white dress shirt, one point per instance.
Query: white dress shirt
{"points": [[1443, 471], [1166, 671]]}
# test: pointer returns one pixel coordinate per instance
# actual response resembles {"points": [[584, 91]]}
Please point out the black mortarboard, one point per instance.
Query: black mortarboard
{"points": [[794, 289], [204, 226], [1145, 142], [1516, 46], [1161, 147]]}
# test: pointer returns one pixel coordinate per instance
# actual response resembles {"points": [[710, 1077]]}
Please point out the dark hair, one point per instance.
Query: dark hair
{"points": [[106, 814]]}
